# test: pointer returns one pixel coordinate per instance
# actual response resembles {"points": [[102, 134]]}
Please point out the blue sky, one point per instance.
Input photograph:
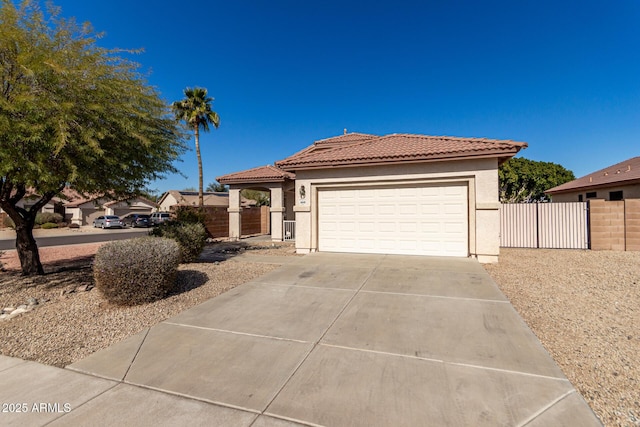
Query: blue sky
{"points": [[561, 76]]}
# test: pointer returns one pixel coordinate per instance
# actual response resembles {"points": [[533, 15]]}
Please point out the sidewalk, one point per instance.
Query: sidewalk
{"points": [[9, 234]]}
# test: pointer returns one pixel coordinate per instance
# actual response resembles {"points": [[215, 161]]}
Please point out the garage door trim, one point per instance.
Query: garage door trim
{"points": [[419, 237]]}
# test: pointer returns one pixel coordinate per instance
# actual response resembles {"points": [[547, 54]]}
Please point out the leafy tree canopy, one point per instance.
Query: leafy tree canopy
{"points": [[72, 113], [261, 197], [525, 181], [217, 187]]}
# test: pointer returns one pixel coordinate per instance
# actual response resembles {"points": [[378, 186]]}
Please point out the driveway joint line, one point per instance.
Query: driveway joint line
{"points": [[317, 342], [305, 287], [236, 332], [436, 296], [293, 420], [546, 408], [83, 403], [136, 355], [190, 397], [428, 359]]}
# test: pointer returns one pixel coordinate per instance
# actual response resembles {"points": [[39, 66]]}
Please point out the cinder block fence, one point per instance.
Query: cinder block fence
{"points": [[615, 225]]}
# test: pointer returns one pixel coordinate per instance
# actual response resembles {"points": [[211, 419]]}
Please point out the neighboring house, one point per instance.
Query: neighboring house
{"points": [[618, 182], [393, 194], [82, 210], [190, 198]]}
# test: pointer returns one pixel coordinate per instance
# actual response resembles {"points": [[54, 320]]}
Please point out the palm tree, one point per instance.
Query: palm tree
{"points": [[195, 111]]}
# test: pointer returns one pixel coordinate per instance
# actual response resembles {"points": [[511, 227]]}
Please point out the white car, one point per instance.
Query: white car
{"points": [[158, 218], [108, 221]]}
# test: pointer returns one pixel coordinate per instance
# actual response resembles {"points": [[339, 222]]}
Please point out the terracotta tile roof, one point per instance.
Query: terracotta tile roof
{"points": [[400, 148], [347, 138], [140, 198], [626, 172], [210, 198], [190, 198], [261, 174]]}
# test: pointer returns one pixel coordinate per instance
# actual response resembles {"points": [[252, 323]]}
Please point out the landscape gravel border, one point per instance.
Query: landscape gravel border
{"points": [[71, 319], [584, 306]]}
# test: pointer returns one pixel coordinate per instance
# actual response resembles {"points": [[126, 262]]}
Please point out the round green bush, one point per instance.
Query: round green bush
{"points": [[190, 236], [45, 217], [49, 225], [136, 271]]}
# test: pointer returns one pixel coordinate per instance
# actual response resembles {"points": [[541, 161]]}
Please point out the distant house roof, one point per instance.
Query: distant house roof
{"points": [[623, 173], [260, 174], [216, 199], [71, 198], [140, 198], [362, 149]]}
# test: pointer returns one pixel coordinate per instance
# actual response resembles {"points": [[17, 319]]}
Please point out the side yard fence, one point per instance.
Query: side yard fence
{"points": [[596, 225], [255, 220]]}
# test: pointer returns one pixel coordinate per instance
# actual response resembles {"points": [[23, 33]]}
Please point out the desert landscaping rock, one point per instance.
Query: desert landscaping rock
{"points": [[73, 323], [584, 306]]}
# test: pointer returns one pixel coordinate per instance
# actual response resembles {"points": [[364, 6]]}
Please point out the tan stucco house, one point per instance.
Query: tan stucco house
{"points": [[83, 209], [392, 194], [173, 198], [617, 182]]}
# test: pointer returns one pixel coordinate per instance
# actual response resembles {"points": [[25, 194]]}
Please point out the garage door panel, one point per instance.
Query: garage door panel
{"points": [[366, 227], [427, 220]]}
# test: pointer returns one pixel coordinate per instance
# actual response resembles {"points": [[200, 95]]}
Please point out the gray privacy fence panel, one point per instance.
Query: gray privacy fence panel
{"points": [[518, 225], [563, 225], [544, 225]]}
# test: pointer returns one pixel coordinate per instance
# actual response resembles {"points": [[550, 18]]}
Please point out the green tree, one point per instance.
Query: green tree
{"points": [[195, 111], [216, 187], [525, 181], [72, 114], [261, 197]]}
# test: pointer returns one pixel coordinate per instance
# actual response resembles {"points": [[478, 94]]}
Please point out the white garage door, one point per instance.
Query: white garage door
{"points": [[426, 220]]}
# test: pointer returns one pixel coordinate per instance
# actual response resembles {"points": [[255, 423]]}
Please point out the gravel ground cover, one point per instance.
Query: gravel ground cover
{"points": [[72, 320], [584, 306]]}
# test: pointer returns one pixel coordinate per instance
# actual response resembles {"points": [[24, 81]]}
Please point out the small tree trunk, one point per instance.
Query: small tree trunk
{"points": [[27, 250], [200, 180]]}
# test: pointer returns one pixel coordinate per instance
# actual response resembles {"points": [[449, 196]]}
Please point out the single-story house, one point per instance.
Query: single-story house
{"points": [[392, 194], [617, 182], [190, 198], [82, 210]]}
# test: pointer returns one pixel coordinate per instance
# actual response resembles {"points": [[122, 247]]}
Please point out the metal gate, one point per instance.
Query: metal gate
{"points": [[289, 230], [544, 225]]}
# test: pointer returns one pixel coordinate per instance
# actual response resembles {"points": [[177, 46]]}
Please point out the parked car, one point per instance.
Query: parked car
{"points": [[136, 220], [108, 221], [158, 218]]}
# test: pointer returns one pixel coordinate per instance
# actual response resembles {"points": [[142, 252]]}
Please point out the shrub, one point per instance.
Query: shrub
{"points": [[189, 214], [136, 271], [190, 236], [49, 225], [45, 217], [73, 225]]}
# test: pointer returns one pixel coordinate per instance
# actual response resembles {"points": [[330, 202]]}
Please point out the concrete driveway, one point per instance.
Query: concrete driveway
{"points": [[337, 340]]}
